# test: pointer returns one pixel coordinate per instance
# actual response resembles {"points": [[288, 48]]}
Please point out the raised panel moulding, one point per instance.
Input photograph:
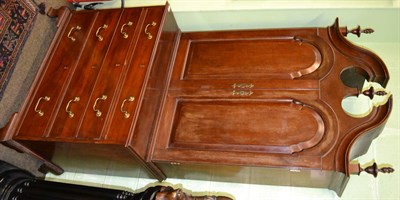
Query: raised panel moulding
{"points": [[267, 126], [266, 58]]}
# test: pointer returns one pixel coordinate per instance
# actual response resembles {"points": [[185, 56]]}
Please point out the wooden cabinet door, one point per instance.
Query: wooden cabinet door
{"points": [[129, 100], [56, 72], [115, 65], [252, 94], [78, 93]]}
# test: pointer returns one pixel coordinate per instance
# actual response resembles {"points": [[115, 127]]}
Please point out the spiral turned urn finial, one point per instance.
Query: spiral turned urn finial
{"points": [[374, 169], [357, 31], [371, 92]]}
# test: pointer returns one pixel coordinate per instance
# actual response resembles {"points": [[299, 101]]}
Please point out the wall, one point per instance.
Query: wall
{"points": [[383, 16]]}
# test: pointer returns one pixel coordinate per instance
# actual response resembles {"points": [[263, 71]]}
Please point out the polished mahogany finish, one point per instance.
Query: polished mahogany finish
{"points": [[241, 100], [253, 106], [97, 87]]}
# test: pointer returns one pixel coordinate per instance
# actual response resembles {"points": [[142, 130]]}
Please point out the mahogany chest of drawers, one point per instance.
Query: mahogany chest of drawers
{"points": [[254, 106]]}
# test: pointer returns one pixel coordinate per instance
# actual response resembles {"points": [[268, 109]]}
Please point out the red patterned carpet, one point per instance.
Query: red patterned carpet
{"points": [[16, 20]]}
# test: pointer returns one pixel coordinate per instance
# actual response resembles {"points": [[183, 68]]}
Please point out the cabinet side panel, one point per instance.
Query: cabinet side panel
{"points": [[156, 84]]}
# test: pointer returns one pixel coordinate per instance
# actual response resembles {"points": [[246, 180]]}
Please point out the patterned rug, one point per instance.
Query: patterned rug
{"points": [[16, 20]]}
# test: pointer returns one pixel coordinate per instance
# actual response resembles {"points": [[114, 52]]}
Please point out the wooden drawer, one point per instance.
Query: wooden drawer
{"points": [[77, 96], [89, 72], [131, 96], [56, 72], [115, 65]]}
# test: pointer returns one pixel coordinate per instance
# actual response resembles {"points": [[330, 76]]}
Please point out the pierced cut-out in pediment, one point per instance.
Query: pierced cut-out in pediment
{"points": [[354, 77], [371, 95]]}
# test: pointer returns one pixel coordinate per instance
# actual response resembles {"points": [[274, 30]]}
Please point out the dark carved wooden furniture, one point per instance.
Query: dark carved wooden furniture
{"points": [[254, 106], [19, 184]]}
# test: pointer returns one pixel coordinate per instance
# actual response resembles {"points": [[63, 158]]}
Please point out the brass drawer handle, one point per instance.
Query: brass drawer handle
{"points": [[243, 85], [71, 31], [69, 112], [98, 112], [126, 113], [99, 37], [149, 36], [242, 93], [124, 34], [40, 112]]}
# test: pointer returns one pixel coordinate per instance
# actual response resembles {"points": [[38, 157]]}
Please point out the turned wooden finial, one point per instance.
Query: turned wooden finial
{"points": [[373, 169], [371, 93], [357, 31]]}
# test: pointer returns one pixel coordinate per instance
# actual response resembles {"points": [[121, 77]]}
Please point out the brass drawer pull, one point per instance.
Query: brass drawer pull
{"points": [[243, 85], [69, 112], [124, 34], [71, 31], [149, 36], [40, 112], [126, 113], [98, 112], [99, 37], [242, 93]]}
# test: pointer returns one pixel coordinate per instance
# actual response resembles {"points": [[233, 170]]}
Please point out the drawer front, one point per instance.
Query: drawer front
{"points": [[78, 93], [130, 97], [57, 69], [110, 76]]}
